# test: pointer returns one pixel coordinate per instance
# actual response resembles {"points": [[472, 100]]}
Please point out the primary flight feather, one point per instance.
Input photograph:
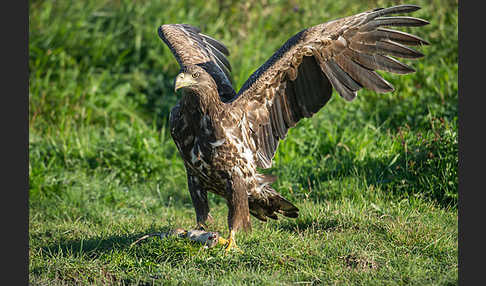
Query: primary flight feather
{"points": [[223, 136]]}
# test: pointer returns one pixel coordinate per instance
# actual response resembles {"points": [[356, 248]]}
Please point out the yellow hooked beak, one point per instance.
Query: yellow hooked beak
{"points": [[183, 80]]}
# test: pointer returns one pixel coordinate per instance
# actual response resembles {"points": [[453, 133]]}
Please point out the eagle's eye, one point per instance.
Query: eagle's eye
{"points": [[195, 75]]}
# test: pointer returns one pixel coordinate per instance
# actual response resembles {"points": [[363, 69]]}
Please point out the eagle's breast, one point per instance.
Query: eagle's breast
{"points": [[240, 148], [201, 142]]}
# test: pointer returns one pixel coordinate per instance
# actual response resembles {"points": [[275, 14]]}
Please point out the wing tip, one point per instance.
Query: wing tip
{"points": [[405, 8], [390, 88], [160, 31]]}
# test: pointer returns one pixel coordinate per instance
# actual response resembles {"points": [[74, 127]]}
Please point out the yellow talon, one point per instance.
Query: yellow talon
{"points": [[201, 226], [230, 243], [222, 241]]}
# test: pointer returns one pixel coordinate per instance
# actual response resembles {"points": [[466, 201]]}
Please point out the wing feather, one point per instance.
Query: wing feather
{"points": [[340, 87], [378, 12], [395, 36], [378, 62], [366, 77], [393, 21], [343, 54]]}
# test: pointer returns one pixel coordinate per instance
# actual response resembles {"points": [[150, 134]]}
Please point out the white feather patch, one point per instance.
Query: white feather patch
{"points": [[218, 143], [193, 155]]}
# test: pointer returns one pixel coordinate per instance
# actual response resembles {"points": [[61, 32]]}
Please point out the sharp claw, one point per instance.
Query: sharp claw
{"points": [[201, 226], [222, 241], [230, 243]]}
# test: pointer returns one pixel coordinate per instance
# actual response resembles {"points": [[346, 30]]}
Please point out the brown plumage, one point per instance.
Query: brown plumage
{"points": [[223, 136]]}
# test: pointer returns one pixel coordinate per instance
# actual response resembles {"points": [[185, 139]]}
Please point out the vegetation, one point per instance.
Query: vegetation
{"points": [[375, 179]]}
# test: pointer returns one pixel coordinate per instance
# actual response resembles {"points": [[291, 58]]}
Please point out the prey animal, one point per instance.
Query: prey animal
{"points": [[223, 136]]}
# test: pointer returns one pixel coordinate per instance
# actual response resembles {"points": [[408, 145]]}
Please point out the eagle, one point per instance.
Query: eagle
{"points": [[224, 136]]}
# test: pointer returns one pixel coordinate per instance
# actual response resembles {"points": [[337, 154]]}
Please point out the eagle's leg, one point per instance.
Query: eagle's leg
{"points": [[199, 199], [238, 210]]}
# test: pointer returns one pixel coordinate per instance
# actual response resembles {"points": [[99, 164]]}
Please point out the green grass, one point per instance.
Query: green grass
{"points": [[375, 179]]}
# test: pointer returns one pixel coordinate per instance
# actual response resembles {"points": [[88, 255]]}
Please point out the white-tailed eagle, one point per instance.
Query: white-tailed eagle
{"points": [[224, 136]]}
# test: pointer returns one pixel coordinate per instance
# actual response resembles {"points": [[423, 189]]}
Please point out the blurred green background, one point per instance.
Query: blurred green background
{"points": [[379, 171]]}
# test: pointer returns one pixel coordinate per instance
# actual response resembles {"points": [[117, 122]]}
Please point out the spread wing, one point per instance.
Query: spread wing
{"points": [[190, 47], [342, 54]]}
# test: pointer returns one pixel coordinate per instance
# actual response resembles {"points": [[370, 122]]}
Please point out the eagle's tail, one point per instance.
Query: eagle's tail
{"points": [[269, 202]]}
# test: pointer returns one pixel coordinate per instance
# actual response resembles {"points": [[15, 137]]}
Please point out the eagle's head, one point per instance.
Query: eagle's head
{"points": [[193, 78]]}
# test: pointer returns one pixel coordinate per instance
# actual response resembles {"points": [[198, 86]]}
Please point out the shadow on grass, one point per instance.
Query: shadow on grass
{"points": [[169, 249], [117, 250], [307, 224], [423, 167], [404, 178], [91, 247]]}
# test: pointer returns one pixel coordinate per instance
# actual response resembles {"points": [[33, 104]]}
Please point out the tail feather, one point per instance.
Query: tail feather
{"points": [[269, 203], [289, 214]]}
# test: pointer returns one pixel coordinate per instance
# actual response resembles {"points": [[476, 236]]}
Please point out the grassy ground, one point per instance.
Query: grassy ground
{"points": [[375, 179]]}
